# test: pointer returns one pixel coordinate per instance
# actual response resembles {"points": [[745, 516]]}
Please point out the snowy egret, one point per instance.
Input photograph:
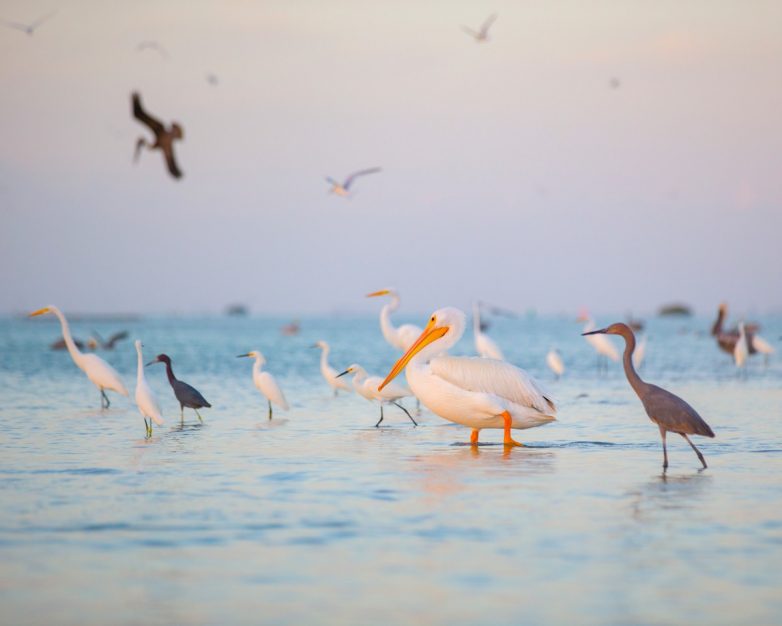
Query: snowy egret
{"points": [[100, 373], [343, 188], [146, 401], [265, 382], [602, 346], [329, 373], [741, 349], [367, 386], [640, 352], [30, 28], [187, 396], [472, 391], [400, 337], [554, 361], [164, 137], [484, 345], [668, 411], [481, 35]]}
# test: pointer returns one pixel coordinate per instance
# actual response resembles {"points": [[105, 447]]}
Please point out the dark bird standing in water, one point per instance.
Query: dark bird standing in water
{"points": [[164, 137], [727, 339], [668, 411], [188, 396]]}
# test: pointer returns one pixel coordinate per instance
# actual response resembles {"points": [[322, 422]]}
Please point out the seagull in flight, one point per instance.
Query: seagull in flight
{"points": [[164, 137], [343, 189], [152, 45], [482, 35], [31, 27]]}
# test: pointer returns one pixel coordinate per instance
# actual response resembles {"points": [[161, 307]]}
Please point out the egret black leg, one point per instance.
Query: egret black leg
{"points": [[698, 452], [665, 449], [104, 397], [270, 409], [381, 416], [407, 412]]}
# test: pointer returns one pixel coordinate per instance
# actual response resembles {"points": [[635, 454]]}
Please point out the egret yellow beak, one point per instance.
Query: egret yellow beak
{"points": [[40, 311], [382, 292], [431, 333]]}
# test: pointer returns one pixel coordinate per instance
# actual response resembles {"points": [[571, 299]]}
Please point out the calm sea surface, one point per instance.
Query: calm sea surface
{"points": [[318, 517]]}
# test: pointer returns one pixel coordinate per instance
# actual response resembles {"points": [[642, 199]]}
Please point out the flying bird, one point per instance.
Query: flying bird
{"points": [[329, 373], [668, 411], [96, 341], [154, 46], [186, 395], [265, 382], [343, 188], [164, 137], [481, 35], [28, 28], [368, 387], [399, 337]]}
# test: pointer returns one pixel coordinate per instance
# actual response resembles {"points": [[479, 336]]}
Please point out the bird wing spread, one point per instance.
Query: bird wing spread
{"points": [[174, 170], [156, 126], [673, 413], [487, 24], [349, 180], [496, 377]]}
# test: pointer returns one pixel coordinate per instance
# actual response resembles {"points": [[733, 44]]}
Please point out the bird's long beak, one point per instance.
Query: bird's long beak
{"points": [[374, 294], [347, 371], [314, 345], [39, 311], [239, 356], [431, 333], [602, 331], [152, 362]]}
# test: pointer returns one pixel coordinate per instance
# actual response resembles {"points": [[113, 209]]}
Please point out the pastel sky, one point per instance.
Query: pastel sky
{"points": [[512, 171]]}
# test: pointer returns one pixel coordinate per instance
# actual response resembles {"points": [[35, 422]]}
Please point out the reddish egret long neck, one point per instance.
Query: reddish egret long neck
{"points": [[717, 328], [632, 376], [169, 370]]}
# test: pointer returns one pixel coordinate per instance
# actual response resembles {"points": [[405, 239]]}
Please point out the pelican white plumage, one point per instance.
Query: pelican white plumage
{"points": [[640, 353], [484, 345], [146, 400], [265, 382], [400, 337], [100, 373], [602, 346], [329, 373], [554, 362], [343, 188], [741, 350], [472, 391], [368, 387]]}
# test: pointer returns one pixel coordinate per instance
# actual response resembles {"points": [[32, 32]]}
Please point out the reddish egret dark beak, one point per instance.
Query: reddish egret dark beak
{"points": [[602, 331], [152, 362]]}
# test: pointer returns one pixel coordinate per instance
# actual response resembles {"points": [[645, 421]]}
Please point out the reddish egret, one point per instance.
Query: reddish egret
{"points": [[164, 137], [265, 382], [187, 396], [367, 387], [668, 411], [343, 188], [481, 35]]}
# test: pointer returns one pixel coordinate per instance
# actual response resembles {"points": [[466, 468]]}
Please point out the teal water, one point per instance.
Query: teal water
{"points": [[318, 517]]}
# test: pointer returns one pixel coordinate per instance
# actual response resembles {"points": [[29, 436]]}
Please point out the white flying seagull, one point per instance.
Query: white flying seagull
{"points": [[482, 35], [343, 188], [31, 27]]}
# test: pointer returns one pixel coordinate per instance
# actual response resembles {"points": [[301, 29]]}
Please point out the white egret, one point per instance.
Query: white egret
{"points": [[100, 373], [329, 373], [640, 352], [484, 345], [473, 391], [368, 387], [741, 350], [400, 337], [266, 383], [554, 362], [601, 344], [146, 400], [762, 346]]}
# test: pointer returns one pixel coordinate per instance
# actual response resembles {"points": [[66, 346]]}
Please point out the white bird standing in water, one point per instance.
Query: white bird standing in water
{"points": [[640, 353], [100, 373], [601, 344], [146, 401], [400, 337], [554, 362], [473, 391], [741, 350], [266, 383], [484, 345], [329, 373], [367, 386]]}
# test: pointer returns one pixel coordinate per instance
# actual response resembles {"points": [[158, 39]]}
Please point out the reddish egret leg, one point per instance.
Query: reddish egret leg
{"points": [[270, 409], [182, 413], [698, 452], [407, 412], [508, 440], [474, 436], [663, 432], [381, 416]]}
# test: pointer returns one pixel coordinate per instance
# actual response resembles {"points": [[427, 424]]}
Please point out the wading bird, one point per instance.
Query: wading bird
{"points": [[484, 345], [668, 411], [400, 337], [602, 346], [187, 396], [343, 188], [727, 338], [367, 386], [164, 137], [640, 352], [481, 35], [146, 401], [741, 349], [554, 362], [28, 28], [329, 373], [265, 382], [100, 373], [472, 391]]}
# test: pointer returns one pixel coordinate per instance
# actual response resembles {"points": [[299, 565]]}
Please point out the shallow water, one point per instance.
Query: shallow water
{"points": [[317, 517]]}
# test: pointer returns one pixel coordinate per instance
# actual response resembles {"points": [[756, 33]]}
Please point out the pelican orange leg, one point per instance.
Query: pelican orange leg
{"points": [[508, 440], [474, 436]]}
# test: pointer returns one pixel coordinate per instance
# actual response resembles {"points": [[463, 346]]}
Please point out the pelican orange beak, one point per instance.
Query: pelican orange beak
{"points": [[42, 311], [431, 333], [374, 294]]}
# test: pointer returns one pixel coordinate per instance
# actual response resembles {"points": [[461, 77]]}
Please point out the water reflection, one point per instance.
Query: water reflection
{"points": [[668, 492]]}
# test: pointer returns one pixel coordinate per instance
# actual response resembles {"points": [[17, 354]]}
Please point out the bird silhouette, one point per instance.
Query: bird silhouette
{"points": [[164, 137], [30, 28]]}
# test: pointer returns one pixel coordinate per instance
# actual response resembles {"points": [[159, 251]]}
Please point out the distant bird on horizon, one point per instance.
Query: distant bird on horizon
{"points": [[96, 341], [668, 411], [291, 329], [727, 338], [186, 395], [164, 137], [481, 35], [614, 83], [343, 188], [484, 345], [154, 46], [212, 79], [30, 28], [265, 382]]}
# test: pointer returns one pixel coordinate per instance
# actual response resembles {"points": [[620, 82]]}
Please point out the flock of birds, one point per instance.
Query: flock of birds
{"points": [[483, 392]]}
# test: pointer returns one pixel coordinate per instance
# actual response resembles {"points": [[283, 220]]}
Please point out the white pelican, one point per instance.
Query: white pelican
{"points": [[484, 345], [554, 361], [368, 387], [266, 383], [482, 35], [473, 391], [601, 344], [146, 401], [343, 188], [329, 373], [741, 350], [100, 373], [640, 352], [400, 337]]}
